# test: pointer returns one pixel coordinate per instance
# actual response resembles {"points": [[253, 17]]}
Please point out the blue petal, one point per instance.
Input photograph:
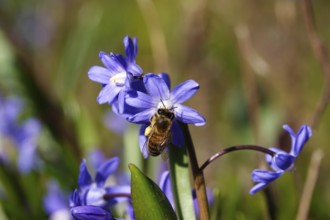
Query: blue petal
{"points": [[27, 157], [115, 122], [130, 49], [188, 115], [284, 161], [143, 142], [166, 78], [113, 62], [177, 135], [121, 101], [270, 159], [90, 213], [54, 200], [100, 74], [135, 42], [11, 107], [130, 211], [134, 69], [265, 175], [74, 199], [142, 117], [184, 91], [117, 190], [139, 100], [84, 179], [165, 186], [96, 157], [106, 169], [108, 94], [137, 84], [156, 86], [258, 187], [302, 137]]}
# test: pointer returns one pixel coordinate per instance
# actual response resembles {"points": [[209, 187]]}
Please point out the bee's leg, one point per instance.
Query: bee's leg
{"points": [[147, 131]]}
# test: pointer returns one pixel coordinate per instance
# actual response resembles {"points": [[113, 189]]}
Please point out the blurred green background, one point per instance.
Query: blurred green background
{"points": [[253, 61]]}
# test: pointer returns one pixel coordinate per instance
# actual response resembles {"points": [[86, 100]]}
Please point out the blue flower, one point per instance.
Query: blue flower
{"points": [[281, 161], [93, 191], [22, 134], [56, 203], [117, 74], [159, 96]]}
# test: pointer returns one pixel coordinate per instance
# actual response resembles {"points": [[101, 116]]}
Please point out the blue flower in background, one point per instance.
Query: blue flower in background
{"points": [[56, 203], [118, 74], [87, 212], [159, 96], [27, 138], [116, 124], [282, 161], [95, 196], [93, 192], [23, 135]]}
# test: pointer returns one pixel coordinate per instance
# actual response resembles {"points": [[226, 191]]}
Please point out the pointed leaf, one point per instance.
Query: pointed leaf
{"points": [[149, 202]]}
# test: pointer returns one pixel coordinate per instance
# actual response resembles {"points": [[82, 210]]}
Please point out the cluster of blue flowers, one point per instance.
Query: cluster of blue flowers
{"points": [[137, 96]]}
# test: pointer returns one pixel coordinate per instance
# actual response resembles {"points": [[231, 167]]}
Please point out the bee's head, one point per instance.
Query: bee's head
{"points": [[166, 112]]}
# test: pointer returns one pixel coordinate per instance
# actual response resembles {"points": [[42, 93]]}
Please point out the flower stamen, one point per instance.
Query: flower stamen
{"points": [[119, 79]]}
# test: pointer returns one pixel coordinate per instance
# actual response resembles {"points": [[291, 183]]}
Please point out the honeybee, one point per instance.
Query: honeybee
{"points": [[159, 132]]}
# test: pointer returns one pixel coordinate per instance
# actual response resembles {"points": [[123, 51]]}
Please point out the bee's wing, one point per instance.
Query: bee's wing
{"points": [[144, 142], [145, 150]]}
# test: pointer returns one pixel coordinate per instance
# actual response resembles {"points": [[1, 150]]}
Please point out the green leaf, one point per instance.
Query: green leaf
{"points": [[180, 182], [149, 201]]}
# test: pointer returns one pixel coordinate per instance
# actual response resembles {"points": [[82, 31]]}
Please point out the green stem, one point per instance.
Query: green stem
{"points": [[198, 176], [180, 182]]}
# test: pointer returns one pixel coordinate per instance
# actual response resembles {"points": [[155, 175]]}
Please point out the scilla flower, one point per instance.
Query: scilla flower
{"points": [[115, 77], [282, 161], [94, 192], [56, 203], [23, 135], [159, 96]]}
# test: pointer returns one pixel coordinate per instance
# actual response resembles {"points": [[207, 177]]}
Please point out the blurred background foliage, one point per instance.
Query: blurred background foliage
{"points": [[252, 59]]}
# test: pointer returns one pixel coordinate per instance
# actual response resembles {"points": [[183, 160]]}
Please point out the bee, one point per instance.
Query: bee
{"points": [[159, 132]]}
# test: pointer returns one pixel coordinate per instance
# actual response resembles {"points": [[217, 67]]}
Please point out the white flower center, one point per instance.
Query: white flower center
{"points": [[95, 196], [119, 79], [166, 104]]}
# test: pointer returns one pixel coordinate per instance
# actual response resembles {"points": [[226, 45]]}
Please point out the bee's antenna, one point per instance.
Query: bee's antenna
{"points": [[163, 103]]}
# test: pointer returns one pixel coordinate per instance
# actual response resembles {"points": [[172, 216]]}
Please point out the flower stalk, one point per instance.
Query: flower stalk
{"points": [[198, 176], [235, 148]]}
